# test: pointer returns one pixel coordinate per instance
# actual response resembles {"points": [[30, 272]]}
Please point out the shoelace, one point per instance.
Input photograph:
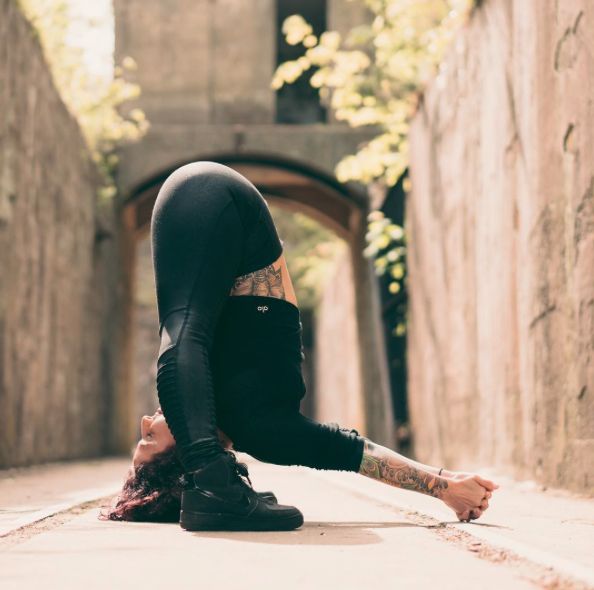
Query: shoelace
{"points": [[241, 469]]}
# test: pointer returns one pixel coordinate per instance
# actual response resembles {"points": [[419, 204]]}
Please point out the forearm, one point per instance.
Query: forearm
{"points": [[390, 467], [431, 469]]}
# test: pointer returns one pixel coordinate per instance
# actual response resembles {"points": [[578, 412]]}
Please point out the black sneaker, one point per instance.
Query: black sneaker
{"points": [[268, 497], [243, 471], [222, 501]]}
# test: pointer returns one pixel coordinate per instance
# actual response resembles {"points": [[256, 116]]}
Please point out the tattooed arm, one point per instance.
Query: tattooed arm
{"points": [[468, 495], [394, 469]]}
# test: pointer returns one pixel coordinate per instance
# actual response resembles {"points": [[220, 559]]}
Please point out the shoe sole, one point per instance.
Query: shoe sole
{"points": [[212, 521]]}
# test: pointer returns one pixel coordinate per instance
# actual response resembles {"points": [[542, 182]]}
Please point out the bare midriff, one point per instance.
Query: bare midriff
{"points": [[273, 280]]}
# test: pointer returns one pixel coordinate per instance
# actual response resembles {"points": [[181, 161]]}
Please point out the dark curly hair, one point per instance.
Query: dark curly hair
{"points": [[152, 492]]}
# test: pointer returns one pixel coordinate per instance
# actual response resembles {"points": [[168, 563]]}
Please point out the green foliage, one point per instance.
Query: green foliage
{"points": [[373, 75], [310, 251], [386, 244], [92, 100]]}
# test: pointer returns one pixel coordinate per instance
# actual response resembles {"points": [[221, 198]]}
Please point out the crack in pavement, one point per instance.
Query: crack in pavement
{"points": [[543, 576], [24, 533]]}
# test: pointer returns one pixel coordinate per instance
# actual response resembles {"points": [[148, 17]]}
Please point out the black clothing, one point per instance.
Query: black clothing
{"points": [[222, 500], [257, 356], [209, 226]]}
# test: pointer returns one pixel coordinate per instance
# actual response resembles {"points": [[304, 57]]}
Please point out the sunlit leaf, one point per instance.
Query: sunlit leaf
{"points": [[394, 288], [95, 102]]}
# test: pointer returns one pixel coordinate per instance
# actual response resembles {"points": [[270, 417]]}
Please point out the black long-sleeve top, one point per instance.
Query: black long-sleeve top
{"points": [[257, 371]]}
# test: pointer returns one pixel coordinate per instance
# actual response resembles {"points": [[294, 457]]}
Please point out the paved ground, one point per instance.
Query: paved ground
{"points": [[358, 534], [28, 495]]}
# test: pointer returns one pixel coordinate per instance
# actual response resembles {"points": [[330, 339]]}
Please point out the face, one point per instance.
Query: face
{"points": [[156, 437]]}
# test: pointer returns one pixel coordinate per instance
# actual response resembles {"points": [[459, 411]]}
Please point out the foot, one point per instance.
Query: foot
{"points": [[242, 470], [221, 499], [268, 496], [467, 494]]}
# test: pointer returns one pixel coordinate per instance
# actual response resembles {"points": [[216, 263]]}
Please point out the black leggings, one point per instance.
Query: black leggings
{"points": [[209, 226]]}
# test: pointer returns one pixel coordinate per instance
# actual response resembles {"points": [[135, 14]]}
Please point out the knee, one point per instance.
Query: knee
{"points": [[170, 330]]}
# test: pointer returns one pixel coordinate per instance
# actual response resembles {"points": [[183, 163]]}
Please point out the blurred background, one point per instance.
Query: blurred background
{"points": [[428, 166]]}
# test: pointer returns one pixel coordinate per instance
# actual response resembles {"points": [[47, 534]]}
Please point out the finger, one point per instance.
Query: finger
{"points": [[487, 483], [484, 504], [475, 513], [464, 516]]}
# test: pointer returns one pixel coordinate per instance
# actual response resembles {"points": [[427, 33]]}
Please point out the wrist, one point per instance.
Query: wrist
{"points": [[444, 486]]}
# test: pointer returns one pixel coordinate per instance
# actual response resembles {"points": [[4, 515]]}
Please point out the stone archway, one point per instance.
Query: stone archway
{"points": [[297, 186]]}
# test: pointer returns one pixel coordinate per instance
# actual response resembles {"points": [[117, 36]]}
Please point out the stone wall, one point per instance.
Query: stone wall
{"points": [[209, 62], [501, 232], [206, 89], [57, 279], [145, 333]]}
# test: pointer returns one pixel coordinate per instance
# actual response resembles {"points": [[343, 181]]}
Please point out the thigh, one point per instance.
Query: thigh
{"points": [[197, 237], [184, 235]]}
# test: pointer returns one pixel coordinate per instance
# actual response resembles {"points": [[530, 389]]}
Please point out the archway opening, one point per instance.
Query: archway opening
{"points": [[341, 207]]}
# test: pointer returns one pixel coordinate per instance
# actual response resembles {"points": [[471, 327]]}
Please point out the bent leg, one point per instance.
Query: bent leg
{"points": [[196, 237], [209, 225]]}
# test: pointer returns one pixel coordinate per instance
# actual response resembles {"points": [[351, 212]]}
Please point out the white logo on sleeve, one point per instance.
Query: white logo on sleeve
{"points": [[263, 308]]}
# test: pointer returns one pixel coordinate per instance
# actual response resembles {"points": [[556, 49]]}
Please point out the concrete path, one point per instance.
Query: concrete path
{"points": [[553, 528], [358, 534], [31, 494]]}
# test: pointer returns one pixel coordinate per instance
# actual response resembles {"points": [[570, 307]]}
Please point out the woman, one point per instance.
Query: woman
{"points": [[229, 323]]}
